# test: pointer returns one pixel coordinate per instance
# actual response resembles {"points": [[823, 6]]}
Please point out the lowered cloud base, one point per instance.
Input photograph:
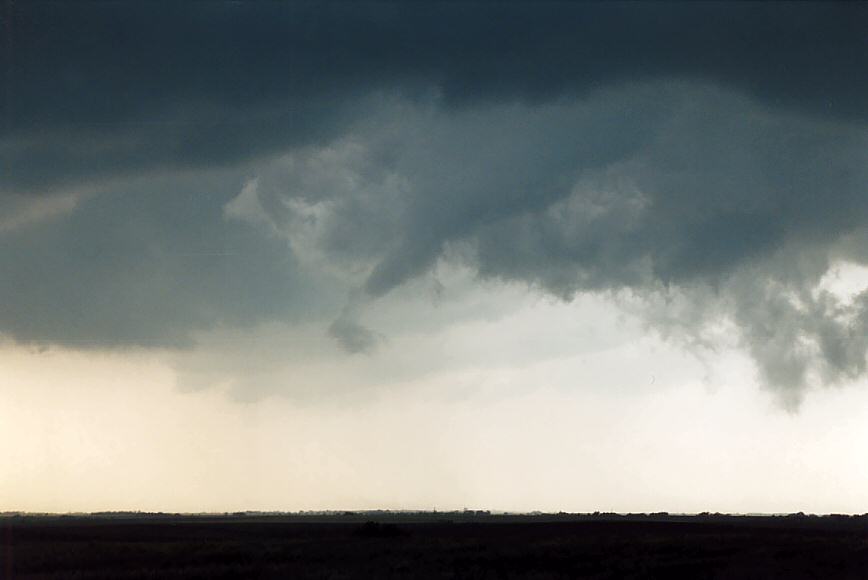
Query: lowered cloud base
{"points": [[304, 179]]}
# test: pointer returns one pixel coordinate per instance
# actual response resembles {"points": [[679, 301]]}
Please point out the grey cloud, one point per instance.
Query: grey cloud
{"points": [[19, 211], [111, 89], [796, 335], [352, 336], [149, 264], [234, 163], [691, 186], [655, 188]]}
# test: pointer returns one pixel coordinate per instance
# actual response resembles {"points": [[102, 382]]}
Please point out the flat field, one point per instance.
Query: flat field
{"points": [[434, 546]]}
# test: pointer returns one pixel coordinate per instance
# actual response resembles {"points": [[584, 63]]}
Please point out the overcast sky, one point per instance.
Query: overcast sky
{"points": [[578, 256]]}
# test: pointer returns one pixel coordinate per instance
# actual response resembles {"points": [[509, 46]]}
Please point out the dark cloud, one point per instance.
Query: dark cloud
{"points": [[239, 162], [352, 336], [147, 265], [662, 188], [107, 88]]}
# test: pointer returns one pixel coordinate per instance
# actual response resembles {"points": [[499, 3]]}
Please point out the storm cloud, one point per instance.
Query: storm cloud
{"points": [[111, 89], [169, 168]]}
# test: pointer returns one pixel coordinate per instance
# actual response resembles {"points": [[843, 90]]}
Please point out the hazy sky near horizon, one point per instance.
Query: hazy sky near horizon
{"points": [[579, 256]]}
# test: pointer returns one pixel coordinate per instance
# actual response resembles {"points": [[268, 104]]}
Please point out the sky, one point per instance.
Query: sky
{"points": [[496, 255]]}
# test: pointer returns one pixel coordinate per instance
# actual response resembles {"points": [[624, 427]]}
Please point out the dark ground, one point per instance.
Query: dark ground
{"points": [[434, 546]]}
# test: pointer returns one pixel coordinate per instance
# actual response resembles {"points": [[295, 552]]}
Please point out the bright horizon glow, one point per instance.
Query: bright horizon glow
{"points": [[114, 432]]}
